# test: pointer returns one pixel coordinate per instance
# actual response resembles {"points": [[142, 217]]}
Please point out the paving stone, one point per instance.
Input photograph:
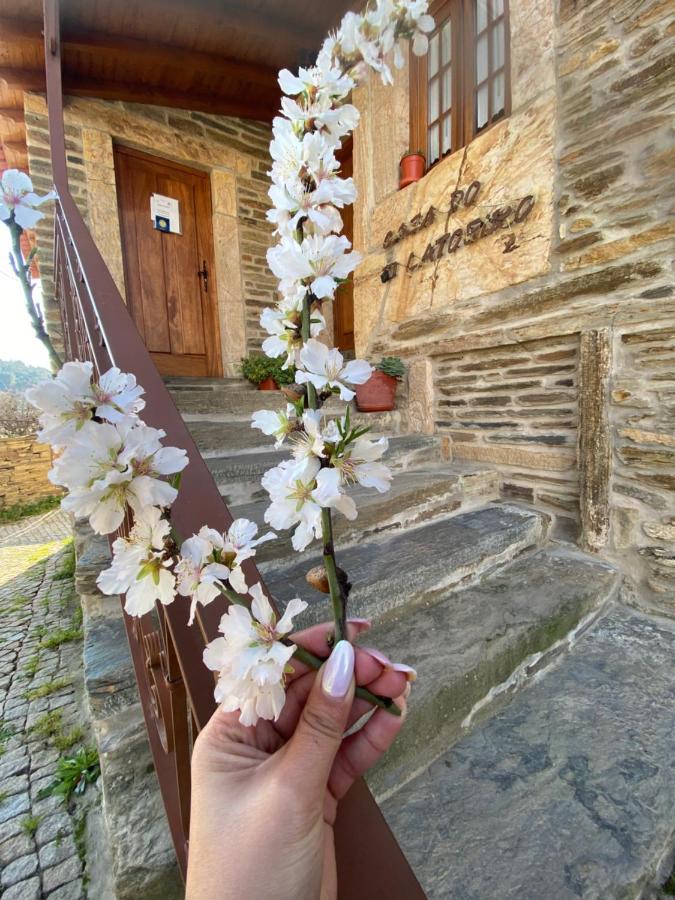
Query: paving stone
{"points": [[61, 874], [16, 846], [71, 891], [24, 890], [14, 806], [568, 791], [19, 870], [57, 851], [53, 826], [16, 784]]}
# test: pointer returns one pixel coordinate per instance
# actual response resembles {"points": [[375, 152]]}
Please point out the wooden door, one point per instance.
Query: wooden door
{"points": [[343, 312], [169, 278]]}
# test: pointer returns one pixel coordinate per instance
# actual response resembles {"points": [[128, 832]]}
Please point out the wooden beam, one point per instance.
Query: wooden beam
{"points": [[15, 146], [14, 114], [23, 79], [217, 104], [141, 54]]}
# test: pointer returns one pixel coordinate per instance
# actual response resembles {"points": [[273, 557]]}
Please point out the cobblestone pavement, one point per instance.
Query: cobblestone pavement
{"points": [[40, 719]]}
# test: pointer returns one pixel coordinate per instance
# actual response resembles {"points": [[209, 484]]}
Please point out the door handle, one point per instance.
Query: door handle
{"points": [[203, 273]]}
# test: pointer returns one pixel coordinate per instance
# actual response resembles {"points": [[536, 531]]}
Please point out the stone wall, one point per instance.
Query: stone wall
{"points": [[233, 151], [587, 275], [23, 472]]}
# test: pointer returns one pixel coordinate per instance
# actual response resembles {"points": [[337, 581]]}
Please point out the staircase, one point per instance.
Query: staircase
{"points": [[537, 758]]}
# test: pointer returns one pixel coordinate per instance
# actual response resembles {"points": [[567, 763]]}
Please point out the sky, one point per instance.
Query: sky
{"points": [[17, 339]]}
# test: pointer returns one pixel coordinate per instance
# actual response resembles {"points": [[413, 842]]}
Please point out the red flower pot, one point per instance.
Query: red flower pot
{"points": [[412, 168], [377, 394], [268, 384]]}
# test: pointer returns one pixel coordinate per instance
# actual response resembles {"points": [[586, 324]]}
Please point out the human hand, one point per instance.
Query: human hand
{"points": [[264, 798]]}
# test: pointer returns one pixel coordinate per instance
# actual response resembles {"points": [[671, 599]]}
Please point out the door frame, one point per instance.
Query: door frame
{"points": [[205, 245]]}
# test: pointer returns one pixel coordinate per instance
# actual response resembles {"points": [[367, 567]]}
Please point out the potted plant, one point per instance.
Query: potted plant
{"points": [[266, 373], [379, 392], [412, 165]]}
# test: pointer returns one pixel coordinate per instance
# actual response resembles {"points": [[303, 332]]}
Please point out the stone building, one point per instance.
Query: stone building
{"points": [[526, 281]]}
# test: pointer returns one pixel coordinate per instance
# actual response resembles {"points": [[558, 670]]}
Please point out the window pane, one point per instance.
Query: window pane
{"points": [[447, 134], [497, 8], [447, 89], [434, 109], [481, 107], [498, 45], [498, 94], [446, 43], [433, 144], [481, 15], [482, 59], [433, 55]]}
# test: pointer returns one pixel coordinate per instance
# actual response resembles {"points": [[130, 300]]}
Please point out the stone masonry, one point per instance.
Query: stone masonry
{"points": [[41, 840], [554, 361], [23, 471], [234, 151]]}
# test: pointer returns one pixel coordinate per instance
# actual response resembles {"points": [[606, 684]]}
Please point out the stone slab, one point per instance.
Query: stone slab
{"points": [[414, 497], [391, 574], [108, 669], [473, 640], [567, 792]]}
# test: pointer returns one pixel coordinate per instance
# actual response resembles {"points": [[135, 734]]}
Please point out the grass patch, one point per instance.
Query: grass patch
{"points": [[67, 739], [23, 510], [62, 636], [31, 824], [67, 569], [73, 775], [3, 797], [19, 602], [31, 667], [6, 732], [46, 689]]}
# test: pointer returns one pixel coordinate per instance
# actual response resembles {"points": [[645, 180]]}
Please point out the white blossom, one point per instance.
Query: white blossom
{"points": [[277, 424], [250, 658], [199, 575], [360, 463], [139, 568], [319, 261], [17, 196], [108, 467], [284, 330], [70, 400], [325, 368], [240, 541]]}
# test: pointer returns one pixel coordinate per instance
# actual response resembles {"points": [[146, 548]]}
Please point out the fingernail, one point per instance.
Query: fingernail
{"points": [[408, 671], [339, 670], [378, 655], [361, 624]]}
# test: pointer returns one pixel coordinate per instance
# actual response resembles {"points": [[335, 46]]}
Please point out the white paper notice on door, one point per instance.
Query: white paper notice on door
{"points": [[165, 213]]}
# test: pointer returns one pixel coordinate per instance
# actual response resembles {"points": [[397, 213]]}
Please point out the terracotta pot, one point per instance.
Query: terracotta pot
{"points": [[412, 168], [377, 394], [268, 384]]}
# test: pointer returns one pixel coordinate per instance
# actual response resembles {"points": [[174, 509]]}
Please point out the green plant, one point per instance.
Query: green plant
{"points": [[392, 365], [67, 569], [73, 774], [67, 739], [22, 510], [31, 824], [31, 667], [62, 636], [46, 689], [3, 797], [48, 725], [256, 368]]}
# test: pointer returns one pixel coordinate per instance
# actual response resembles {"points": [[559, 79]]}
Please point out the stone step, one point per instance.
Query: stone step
{"points": [[196, 383], [223, 436], [415, 497], [472, 641], [568, 791], [393, 573], [238, 474]]}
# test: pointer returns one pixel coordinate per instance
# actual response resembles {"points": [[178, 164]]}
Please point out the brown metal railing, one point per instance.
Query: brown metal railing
{"points": [[175, 688]]}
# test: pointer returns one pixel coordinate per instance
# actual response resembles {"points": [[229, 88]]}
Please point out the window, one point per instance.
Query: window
{"points": [[461, 86]]}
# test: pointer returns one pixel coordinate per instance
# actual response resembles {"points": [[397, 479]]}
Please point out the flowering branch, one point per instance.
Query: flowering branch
{"points": [[112, 464], [17, 210]]}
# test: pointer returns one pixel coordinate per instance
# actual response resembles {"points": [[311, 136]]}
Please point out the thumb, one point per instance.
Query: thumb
{"points": [[318, 734]]}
